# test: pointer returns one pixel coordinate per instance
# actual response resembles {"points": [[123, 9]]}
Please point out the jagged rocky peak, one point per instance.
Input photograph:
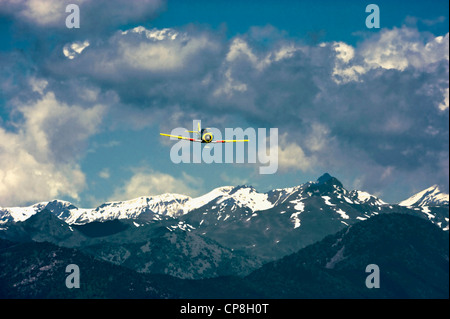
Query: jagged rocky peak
{"points": [[329, 180], [325, 185], [242, 187]]}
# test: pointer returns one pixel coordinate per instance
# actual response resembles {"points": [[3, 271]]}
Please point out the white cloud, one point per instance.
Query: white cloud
{"points": [[229, 86], [285, 52], [239, 49], [161, 50], [154, 34], [44, 12], [38, 85], [344, 51], [104, 173], [348, 74], [71, 50], [39, 160], [397, 48], [445, 103], [54, 129], [147, 182], [400, 48], [95, 14], [292, 156], [25, 178], [344, 71], [147, 52], [318, 138]]}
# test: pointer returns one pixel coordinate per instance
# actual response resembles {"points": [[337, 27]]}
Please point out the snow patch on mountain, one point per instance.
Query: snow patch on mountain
{"points": [[299, 207], [426, 210], [327, 200], [342, 213]]}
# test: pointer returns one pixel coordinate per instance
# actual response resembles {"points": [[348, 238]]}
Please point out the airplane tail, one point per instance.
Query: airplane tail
{"points": [[199, 129]]}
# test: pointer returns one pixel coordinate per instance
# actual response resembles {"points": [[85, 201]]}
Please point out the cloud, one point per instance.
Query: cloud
{"points": [[75, 48], [292, 157], [162, 51], [104, 173], [54, 129], [445, 102], [234, 180], [344, 71], [376, 107], [239, 49], [148, 182], [37, 12], [26, 178], [380, 107], [399, 48], [145, 68], [39, 158], [95, 15], [414, 21]]}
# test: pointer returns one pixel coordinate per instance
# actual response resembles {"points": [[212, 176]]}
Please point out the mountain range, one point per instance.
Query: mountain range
{"points": [[230, 231], [411, 253]]}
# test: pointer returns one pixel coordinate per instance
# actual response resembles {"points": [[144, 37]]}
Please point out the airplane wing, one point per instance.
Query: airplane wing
{"points": [[181, 137], [229, 141]]}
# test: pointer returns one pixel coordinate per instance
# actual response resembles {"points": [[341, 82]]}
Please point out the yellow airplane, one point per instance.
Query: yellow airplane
{"points": [[204, 136]]}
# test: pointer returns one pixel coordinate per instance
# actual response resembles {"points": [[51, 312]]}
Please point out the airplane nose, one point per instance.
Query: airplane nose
{"points": [[207, 137]]}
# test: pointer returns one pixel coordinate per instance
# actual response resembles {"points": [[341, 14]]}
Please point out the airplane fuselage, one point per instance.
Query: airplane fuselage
{"points": [[206, 136]]}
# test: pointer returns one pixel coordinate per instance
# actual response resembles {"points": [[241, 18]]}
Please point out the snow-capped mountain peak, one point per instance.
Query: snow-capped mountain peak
{"points": [[362, 197], [171, 205], [431, 196], [247, 196], [147, 208], [236, 203], [17, 214], [200, 201]]}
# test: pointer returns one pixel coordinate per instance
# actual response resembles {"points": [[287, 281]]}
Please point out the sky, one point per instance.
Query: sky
{"points": [[81, 109]]}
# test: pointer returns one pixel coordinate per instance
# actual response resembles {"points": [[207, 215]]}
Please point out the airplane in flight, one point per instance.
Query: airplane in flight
{"points": [[203, 136]]}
